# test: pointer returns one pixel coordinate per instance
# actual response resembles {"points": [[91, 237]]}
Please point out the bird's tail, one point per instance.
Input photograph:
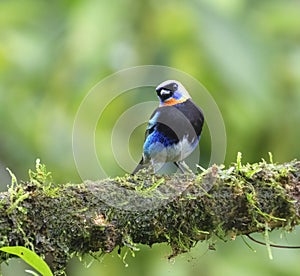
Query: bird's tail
{"points": [[140, 166]]}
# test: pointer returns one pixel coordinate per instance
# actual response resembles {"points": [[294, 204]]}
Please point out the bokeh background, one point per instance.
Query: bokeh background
{"points": [[246, 53]]}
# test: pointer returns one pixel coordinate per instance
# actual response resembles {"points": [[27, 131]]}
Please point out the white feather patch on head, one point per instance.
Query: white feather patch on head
{"points": [[181, 89], [164, 92]]}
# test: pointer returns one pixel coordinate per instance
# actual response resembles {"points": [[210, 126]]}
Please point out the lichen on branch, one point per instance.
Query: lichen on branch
{"points": [[60, 221]]}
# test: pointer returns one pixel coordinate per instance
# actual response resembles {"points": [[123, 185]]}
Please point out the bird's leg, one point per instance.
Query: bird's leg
{"points": [[178, 165], [183, 167]]}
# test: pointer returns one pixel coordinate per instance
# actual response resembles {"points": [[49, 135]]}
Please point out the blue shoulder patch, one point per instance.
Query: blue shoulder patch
{"points": [[153, 120]]}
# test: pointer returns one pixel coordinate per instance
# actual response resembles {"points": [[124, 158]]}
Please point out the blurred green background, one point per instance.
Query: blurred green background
{"points": [[246, 53]]}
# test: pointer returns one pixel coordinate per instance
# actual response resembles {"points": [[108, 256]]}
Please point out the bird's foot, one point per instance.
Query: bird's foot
{"points": [[183, 167]]}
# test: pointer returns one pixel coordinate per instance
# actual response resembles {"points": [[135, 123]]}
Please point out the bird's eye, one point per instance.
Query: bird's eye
{"points": [[175, 86]]}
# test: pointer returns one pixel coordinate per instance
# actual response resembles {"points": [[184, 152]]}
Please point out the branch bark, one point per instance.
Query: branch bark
{"points": [[58, 221]]}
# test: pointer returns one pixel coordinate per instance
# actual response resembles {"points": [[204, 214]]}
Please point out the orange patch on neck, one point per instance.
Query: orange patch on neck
{"points": [[173, 101]]}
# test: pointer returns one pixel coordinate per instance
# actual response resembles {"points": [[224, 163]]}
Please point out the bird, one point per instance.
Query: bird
{"points": [[174, 128]]}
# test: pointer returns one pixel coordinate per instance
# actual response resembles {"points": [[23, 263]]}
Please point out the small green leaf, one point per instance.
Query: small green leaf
{"points": [[29, 257], [239, 161], [31, 272], [267, 241], [271, 157]]}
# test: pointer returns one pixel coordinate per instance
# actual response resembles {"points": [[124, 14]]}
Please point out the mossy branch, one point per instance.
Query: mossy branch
{"points": [[60, 221]]}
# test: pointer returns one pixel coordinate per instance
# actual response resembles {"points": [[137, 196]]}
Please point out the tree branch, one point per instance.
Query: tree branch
{"points": [[58, 221]]}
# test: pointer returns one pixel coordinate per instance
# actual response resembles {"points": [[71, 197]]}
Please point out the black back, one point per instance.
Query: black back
{"points": [[177, 121]]}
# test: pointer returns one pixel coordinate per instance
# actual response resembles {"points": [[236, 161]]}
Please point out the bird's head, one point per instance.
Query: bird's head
{"points": [[171, 92]]}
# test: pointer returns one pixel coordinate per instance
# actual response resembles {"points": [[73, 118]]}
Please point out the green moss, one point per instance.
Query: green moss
{"points": [[181, 209], [40, 177]]}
